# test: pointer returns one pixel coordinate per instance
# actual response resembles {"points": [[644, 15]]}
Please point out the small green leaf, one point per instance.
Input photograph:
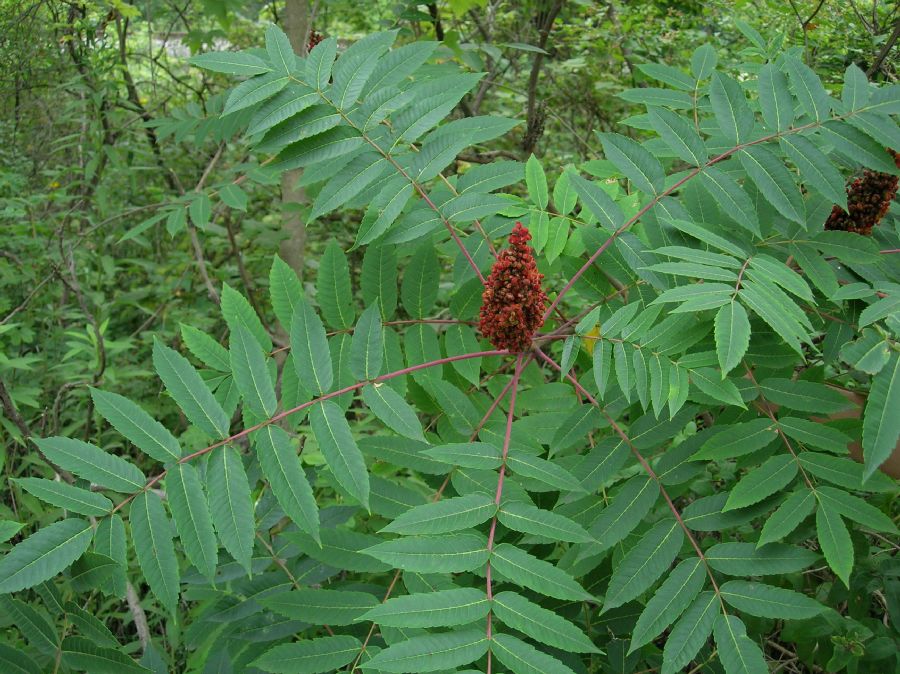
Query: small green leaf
{"points": [[690, 633], [732, 332], [540, 624], [248, 364], [367, 347], [796, 508], [44, 554], [881, 423], [135, 424], [523, 658], [644, 563], [443, 608], [767, 601], [529, 519], [92, 463], [535, 574], [319, 606], [151, 533], [635, 162], [432, 652], [340, 449], [451, 553], [190, 510], [309, 350], [453, 514], [315, 656], [675, 594], [835, 542], [738, 653], [64, 495], [230, 504], [747, 559], [189, 391], [230, 62], [774, 475]]}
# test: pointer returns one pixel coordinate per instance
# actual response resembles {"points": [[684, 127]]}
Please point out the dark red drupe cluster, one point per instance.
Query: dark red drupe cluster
{"points": [[315, 38], [512, 306], [868, 199]]}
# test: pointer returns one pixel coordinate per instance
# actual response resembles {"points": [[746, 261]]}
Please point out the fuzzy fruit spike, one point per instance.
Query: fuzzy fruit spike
{"points": [[513, 301], [868, 200]]}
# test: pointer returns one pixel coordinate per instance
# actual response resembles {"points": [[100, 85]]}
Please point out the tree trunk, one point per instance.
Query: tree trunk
{"points": [[293, 246]]}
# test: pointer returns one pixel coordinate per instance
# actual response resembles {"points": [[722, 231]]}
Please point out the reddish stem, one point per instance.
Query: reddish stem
{"points": [[514, 385], [644, 464], [278, 417], [656, 199]]}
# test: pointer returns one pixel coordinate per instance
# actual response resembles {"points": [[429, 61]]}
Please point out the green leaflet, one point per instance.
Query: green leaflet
{"points": [[732, 333], [773, 475], [542, 470], [310, 353], [419, 288], [230, 503], [189, 391], [190, 510], [231, 62], [523, 658], [282, 469], [881, 424], [738, 653], [319, 606], [835, 542], [285, 290], [92, 463], [644, 563], [690, 633], [669, 602], [748, 559], [367, 346], [453, 553], [393, 410], [64, 495], [237, 310], [529, 519], [737, 440], [432, 652], [467, 455], [378, 278], [83, 654], [855, 508], [151, 534], [775, 99], [535, 574], [796, 507], [109, 542], [340, 449], [730, 108], [442, 608], [635, 162], [333, 288], [453, 514], [316, 656], [545, 626], [767, 601], [134, 423], [628, 508], [205, 349], [248, 365], [44, 554]]}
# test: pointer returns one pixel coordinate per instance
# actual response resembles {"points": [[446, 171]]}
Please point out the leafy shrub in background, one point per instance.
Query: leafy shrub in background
{"points": [[660, 481]]}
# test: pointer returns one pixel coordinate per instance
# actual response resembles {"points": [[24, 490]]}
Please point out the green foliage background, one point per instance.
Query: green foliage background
{"points": [[216, 460]]}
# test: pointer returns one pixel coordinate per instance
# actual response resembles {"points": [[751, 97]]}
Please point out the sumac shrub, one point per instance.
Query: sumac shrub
{"points": [[635, 456]]}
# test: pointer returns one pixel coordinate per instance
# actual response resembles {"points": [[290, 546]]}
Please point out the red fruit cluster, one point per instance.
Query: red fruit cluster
{"points": [[512, 307], [315, 38], [868, 200]]}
